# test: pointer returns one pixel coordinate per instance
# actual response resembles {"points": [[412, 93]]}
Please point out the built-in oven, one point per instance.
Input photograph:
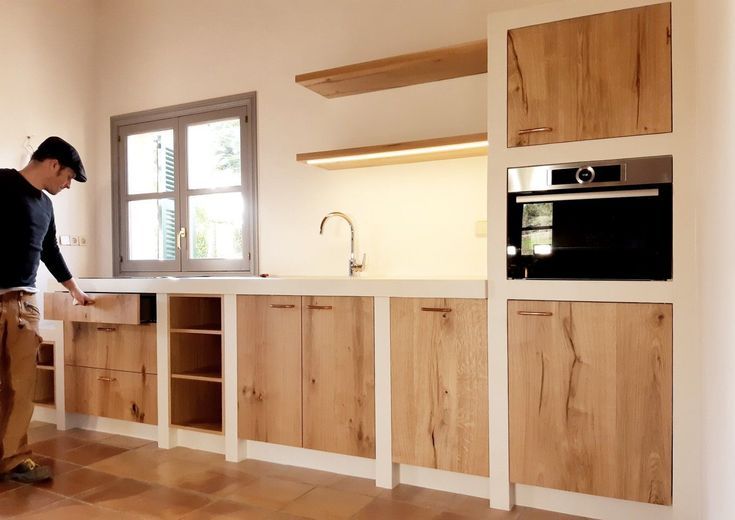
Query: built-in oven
{"points": [[603, 220]]}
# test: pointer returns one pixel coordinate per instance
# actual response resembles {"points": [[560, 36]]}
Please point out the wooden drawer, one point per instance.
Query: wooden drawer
{"points": [[131, 309], [111, 393], [111, 346]]}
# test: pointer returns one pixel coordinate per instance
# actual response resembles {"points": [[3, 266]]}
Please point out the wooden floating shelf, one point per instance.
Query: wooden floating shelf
{"points": [[465, 59], [456, 147], [45, 367]]}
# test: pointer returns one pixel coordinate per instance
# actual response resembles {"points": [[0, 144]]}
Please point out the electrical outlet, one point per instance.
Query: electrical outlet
{"points": [[74, 240], [82, 241], [481, 228], [65, 240]]}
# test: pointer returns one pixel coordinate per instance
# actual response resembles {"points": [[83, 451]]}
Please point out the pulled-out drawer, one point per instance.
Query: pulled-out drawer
{"points": [[111, 346], [131, 309], [111, 393]]}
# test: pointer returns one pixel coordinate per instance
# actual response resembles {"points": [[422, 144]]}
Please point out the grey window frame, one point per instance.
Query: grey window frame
{"points": [[178, 117]]}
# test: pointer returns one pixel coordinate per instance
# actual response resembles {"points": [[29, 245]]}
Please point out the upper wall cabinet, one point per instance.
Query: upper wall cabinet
{"points": [[594, 77]]}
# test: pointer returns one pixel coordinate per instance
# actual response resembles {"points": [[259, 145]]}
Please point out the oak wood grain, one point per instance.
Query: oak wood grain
{"points": [[195, 312], [465, 59], [110, 346], [339, 375], [590, 398], [439, 383], [269, 369], [107, 308], [606, 75], [111, 393]]}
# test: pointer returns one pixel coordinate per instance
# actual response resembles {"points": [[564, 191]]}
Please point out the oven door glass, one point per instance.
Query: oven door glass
{"points": [[592, 234]]}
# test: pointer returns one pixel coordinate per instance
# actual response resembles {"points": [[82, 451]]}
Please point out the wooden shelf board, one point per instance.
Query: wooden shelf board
{"points": [[207, 427], [200, 329], [45, 367], [46, 404], [465, 59], [426, 150], [213, 374]]}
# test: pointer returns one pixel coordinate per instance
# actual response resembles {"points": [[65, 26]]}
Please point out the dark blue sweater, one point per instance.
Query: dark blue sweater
{"points": [[27, 233]]}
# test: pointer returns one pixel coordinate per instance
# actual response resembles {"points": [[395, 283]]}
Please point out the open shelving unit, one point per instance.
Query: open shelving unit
{"points": [[195, 340], [465, 59], [44, 391]]}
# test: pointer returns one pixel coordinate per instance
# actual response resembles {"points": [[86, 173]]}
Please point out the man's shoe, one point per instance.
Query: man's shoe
{"points": [[28, 472]]}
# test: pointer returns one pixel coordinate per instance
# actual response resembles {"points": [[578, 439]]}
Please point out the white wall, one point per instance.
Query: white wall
{"points": [[412, 221], [715, 73], [46, 65]]}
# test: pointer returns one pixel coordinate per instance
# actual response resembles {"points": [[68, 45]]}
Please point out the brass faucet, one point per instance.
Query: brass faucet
{"points": [[354, 266]]}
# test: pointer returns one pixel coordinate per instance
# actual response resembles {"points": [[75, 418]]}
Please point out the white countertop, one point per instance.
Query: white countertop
{"points": [[306, 286]]}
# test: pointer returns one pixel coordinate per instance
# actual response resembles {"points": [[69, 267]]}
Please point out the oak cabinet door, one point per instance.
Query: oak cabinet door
{"points": [[600, 76], [131, 348], [269, 368], [111, 393], [590, 397], [339, 375], [439, 383]]}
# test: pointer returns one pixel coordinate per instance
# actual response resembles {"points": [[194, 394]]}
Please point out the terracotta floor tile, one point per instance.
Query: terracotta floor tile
{"points": [[477, 509], [146, 500], [128, 443], [86, 435], [438, 500], [136, 464], [58, 467], [226, 509], [57, 446], [384, 509], [68, 509], [213, 481], [90, 454], [259, 468], [364, 486], [42, 432], [527, 513], [76, 482], [25, 499], [267, 492], [305, 475], [491, 514], [328, 504], [7, 485]]}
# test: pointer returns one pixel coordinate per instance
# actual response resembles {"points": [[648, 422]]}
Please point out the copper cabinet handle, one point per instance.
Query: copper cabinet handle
{"points": [[320, 307], [535, 313], [436, 309], [106, 379], [107, 329], [281, 306], [535, 130]]}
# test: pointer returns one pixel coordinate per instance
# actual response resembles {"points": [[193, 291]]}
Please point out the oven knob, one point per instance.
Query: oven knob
{"points": [[585, 175]]}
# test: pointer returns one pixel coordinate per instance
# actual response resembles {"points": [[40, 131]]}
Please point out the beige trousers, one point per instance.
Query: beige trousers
{"points": [[19, 342]]}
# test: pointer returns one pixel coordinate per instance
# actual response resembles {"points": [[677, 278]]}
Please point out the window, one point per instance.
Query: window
{"points": [[184, 189]]}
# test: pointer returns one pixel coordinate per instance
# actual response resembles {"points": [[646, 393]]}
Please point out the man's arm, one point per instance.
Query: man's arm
{"points": [[51, 256], [76, 293]]}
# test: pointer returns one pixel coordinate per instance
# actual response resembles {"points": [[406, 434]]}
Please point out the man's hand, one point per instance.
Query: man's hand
{"points": [[80, 297]]}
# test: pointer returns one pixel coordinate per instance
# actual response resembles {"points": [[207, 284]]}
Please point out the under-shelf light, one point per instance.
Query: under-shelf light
{"points": [[415, 151], [399, 153]]}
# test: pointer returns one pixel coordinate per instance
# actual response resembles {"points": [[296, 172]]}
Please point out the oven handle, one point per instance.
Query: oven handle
{"points": [[623, 194]]}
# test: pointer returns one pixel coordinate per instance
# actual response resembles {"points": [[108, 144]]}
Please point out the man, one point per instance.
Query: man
{"points": [[28, 235]]}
